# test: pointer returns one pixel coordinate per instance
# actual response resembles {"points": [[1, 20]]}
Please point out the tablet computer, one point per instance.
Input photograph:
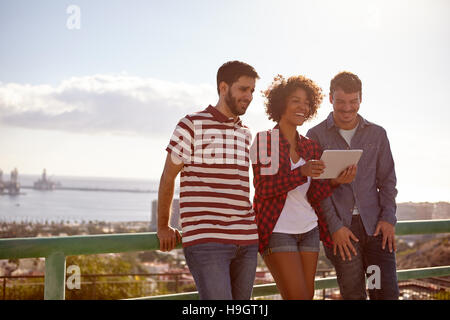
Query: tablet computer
{"points": [[338, 160]]}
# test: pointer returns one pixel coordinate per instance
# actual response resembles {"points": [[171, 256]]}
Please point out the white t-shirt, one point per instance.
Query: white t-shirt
{"points": [[348, 134], [297, 215]]}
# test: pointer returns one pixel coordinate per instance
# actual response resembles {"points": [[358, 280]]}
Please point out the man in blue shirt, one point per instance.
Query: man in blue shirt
{"points": [[360, 215]]}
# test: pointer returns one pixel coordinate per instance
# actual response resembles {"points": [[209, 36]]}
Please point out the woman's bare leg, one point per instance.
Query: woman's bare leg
{"points": [[288, 271], [309, 261]]}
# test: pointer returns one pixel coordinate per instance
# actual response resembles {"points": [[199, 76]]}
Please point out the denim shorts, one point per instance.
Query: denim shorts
{"points": [[286, 242]]}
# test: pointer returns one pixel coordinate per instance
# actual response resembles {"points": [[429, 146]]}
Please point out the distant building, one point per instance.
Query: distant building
{"points": [[12, 186], [2, 185], [175, 221], [414, 211], [423, 211], [45, 184]]}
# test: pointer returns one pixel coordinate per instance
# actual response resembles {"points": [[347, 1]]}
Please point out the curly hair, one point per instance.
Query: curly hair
{"points": [[280, 89]]}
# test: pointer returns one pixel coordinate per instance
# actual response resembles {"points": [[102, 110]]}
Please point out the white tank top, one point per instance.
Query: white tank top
{"points": [[297, 215]]}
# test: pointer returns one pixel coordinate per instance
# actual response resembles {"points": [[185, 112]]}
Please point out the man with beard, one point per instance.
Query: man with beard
{"points": [[211, 150], [360, 215]]}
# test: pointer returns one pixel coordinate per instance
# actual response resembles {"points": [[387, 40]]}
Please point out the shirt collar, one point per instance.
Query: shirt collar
{"points": [[219, 116], [362, 122]]}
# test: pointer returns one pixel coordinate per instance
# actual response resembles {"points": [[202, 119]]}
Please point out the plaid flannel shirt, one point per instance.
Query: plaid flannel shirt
{"points": [[271, 189]]}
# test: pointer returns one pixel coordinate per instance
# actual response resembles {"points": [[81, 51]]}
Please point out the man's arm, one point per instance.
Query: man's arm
{"points": [[386, 182], [168, 236]]}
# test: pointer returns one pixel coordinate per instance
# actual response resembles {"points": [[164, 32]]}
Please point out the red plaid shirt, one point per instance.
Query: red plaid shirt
{"points": [[271, 189]]}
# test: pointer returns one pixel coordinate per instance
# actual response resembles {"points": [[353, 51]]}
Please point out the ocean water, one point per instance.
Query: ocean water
{"points": [[80, 205]]}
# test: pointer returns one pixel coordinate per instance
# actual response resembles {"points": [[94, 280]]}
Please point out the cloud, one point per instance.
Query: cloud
{"points": [[111, 103]]}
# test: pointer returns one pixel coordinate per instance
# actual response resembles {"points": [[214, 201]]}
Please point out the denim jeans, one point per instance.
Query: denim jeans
{"points": [[222, 271], [351, 274], [286, 242]]}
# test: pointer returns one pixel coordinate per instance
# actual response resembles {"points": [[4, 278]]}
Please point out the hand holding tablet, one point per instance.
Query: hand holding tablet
{"points": [[337, 161], [312, 168]]}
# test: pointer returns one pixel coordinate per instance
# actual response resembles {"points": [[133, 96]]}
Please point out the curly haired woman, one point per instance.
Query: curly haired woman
{"points": [[287, 200]]}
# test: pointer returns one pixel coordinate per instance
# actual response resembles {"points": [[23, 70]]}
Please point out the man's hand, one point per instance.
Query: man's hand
{"points": [[346, 176], [312, 168], [388, 231], [168, 238], [341, 240]]}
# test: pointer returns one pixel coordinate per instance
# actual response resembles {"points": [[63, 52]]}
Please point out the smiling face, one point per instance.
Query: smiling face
{"points": [[239, 95], [345, 108], [297, 109]]}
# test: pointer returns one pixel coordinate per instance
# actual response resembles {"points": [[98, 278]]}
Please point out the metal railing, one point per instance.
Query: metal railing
{"points": [[55, 250]]}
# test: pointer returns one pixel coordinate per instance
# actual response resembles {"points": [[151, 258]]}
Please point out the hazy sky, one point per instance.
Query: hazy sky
{"points": [[103, 100]]}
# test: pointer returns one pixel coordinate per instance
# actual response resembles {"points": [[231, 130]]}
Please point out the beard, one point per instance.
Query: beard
{"points": [[232, 104]]}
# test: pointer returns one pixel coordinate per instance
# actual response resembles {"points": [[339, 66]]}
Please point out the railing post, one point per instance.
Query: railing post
{"points": [[55, 276]]}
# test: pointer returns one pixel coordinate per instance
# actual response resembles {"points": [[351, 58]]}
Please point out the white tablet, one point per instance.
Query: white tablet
{"points": [[338, 160]]}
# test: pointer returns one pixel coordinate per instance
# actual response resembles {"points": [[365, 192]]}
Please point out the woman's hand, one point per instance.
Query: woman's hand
{"points": [[346, 176], [312, 168]]}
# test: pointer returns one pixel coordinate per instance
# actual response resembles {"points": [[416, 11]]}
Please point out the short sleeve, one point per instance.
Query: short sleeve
{"points": [[181, 143]]}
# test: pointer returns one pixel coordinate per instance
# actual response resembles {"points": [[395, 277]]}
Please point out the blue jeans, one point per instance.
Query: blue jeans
{"points": [[351, 274], [222, 271]]}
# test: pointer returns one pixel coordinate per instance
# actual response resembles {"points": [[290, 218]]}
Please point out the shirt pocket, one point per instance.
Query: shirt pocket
{"points": [[369, 157]]}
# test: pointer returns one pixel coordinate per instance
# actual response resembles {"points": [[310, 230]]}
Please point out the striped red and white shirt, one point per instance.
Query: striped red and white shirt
{"points": [[214, 183]]}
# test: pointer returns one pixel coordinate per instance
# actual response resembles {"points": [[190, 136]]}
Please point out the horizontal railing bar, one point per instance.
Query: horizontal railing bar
{"points": [[106, 275], [193, 295], [421, 273], [408, 227], [325, 283], [17, 248], [153, 274]]}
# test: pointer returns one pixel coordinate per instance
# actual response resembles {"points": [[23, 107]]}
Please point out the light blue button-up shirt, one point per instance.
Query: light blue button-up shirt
{"points": [[373, 190]]}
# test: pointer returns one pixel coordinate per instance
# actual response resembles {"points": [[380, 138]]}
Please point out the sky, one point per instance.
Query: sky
{"points": [[96, 88]]}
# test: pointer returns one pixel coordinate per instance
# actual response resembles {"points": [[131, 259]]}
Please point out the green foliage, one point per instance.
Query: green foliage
{"points": [[99, 263], [24, 289], [98, 288], [442, 295]]}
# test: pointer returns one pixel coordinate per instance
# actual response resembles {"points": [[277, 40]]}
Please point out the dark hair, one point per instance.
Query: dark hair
{"points": [[280, 89], [346, 81], [231, 71]]}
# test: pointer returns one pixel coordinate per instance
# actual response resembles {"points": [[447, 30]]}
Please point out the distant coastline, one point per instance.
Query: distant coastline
{"points": [[101, 184]]}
